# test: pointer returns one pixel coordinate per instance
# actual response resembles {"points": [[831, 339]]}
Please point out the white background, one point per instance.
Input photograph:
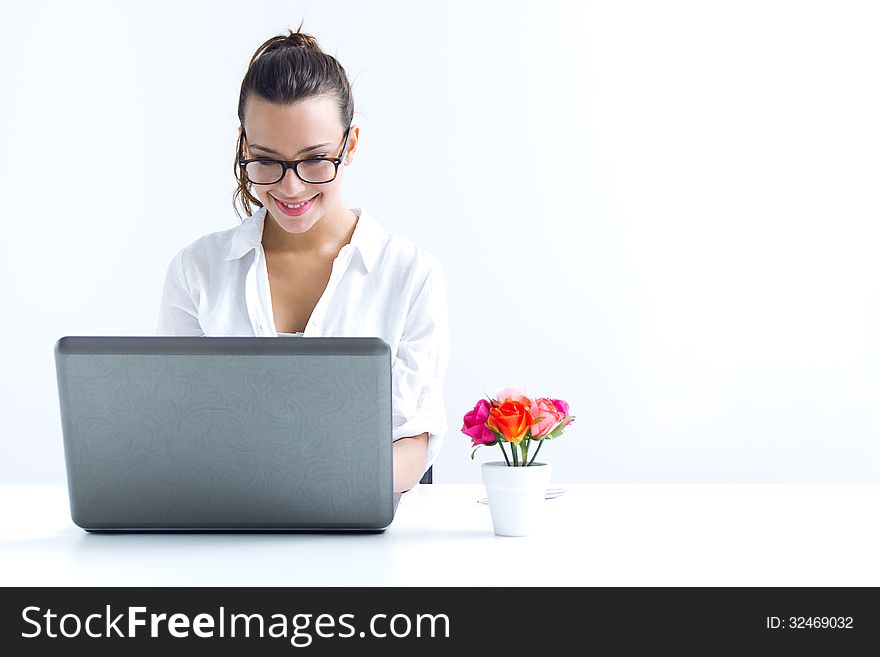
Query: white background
{"points": [[664, 213]]}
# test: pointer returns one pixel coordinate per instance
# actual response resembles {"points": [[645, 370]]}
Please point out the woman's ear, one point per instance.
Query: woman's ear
{"points": [[353, 137], [244, 152]]}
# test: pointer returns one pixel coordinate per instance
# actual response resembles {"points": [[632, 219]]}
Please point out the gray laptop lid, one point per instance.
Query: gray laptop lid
{"points": [[231, 433]]}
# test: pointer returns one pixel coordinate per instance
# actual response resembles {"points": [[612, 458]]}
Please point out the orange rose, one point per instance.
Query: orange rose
{"points": [[511, 419]]}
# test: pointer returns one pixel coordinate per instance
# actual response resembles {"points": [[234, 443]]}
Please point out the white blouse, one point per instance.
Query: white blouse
{"points": [[381, 285]]}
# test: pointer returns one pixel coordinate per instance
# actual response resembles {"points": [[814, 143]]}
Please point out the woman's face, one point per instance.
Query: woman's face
{"points": [[308, 128]]}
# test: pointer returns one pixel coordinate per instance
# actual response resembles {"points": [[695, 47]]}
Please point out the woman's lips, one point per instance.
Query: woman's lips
{"points": [[294, 212]]}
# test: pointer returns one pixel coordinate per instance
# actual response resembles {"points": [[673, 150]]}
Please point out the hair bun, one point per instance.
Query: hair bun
{"points": [[302, 40]]}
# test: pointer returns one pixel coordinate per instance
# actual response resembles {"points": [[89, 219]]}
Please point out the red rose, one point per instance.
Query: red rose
{"points": [[511, 419]]}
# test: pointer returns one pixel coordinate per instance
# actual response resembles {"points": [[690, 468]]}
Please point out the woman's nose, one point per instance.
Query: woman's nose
{"points": [[290, 184]]}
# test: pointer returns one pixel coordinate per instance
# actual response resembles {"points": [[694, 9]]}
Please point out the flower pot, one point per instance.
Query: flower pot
{"points": [[516, 496]]}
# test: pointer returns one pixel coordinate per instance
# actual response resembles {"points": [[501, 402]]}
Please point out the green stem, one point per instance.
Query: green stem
{"points": [[540, 442], [503, 452], [524, 446], [513, 451]]}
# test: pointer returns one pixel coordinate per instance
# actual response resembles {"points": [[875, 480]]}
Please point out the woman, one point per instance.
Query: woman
{"points": [[305, 264]]}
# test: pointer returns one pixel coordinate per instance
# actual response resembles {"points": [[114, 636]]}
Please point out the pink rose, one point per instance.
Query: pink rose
{"points": [[562, 406], [547, 417], [516, 394], [475, 425]]}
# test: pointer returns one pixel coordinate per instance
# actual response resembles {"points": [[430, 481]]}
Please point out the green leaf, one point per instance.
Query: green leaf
{"points": [[565, 421], [558, 431]]}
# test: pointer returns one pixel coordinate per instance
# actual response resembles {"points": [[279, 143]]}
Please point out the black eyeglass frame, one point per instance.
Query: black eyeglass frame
{"points": [[293, 164]]}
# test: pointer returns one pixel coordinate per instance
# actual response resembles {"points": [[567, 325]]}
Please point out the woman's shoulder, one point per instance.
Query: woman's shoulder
{"points": [[391, 256], [399, 251], [216, 246], [410, 252]]}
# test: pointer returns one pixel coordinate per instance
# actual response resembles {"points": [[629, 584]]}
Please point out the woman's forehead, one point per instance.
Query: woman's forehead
{"points": [[284, 127]]}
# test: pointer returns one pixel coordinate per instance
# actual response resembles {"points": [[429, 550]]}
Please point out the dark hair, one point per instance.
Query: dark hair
{"points": [[284, 70]]}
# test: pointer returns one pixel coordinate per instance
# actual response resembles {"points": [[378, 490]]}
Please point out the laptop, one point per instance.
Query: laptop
{"points": [[169, 433]]}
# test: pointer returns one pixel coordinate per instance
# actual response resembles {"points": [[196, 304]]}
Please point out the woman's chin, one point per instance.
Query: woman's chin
{"points": [[293, 226]]}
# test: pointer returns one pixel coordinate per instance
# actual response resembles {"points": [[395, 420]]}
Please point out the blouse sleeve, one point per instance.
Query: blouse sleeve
{"points": [[418, 370], [178, 312]]}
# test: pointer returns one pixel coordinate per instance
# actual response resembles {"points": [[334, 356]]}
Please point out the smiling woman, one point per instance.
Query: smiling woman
{"points": [[301, 263]]}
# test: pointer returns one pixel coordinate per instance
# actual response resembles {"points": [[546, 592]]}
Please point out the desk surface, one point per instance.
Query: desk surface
{"points": [[594, 535]]}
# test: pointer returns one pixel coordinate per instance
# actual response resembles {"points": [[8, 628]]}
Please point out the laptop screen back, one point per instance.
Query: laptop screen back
{"points": [[237, 433]]}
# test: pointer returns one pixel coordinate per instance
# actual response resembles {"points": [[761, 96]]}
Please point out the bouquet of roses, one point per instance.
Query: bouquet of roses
{"points": [[513, 418]]}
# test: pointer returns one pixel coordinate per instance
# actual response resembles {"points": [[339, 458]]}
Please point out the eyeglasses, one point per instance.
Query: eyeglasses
{"points": [[312, 170]]}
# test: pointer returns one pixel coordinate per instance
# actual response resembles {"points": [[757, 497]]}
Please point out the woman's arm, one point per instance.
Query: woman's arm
{"points": [[408, 461], [418, 372]]}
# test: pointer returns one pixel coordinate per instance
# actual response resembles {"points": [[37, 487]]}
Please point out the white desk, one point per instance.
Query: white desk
{"points": [[594, 535]]}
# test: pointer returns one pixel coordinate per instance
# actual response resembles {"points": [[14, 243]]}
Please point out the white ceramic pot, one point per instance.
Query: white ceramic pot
{"points": [[516, 496]]}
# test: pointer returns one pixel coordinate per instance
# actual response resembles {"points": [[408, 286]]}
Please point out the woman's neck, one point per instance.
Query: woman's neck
{"points": [[325, 238]]}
